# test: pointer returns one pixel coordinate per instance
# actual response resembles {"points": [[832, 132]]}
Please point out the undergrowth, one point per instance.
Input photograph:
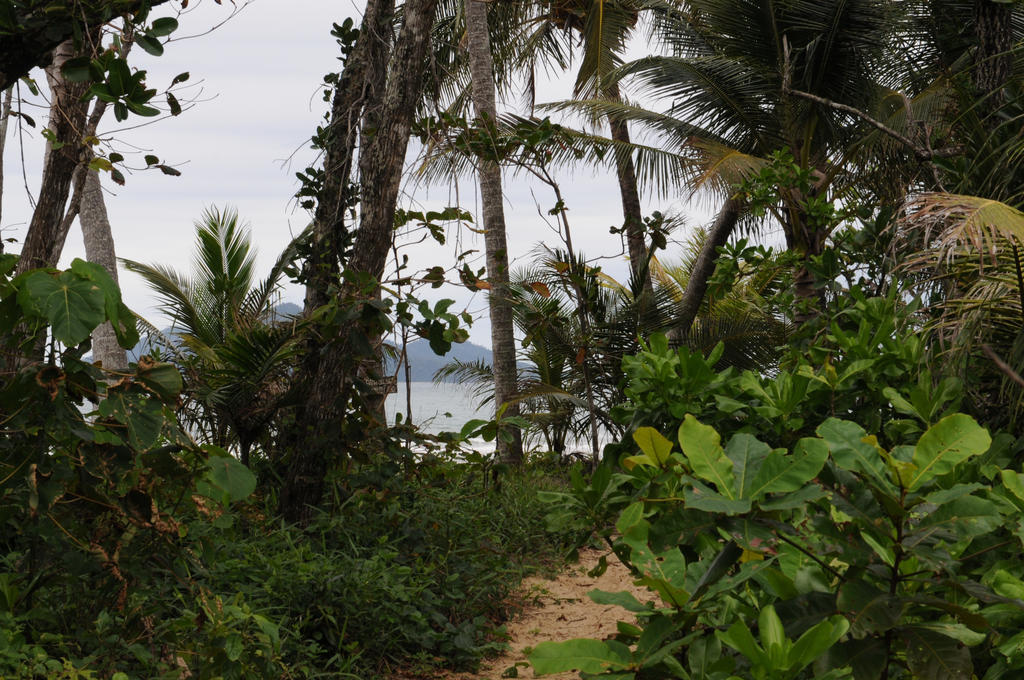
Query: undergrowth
{"points": [[410, 571]]}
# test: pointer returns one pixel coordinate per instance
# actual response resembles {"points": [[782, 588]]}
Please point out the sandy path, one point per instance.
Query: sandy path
{"points": [[559, 610]]}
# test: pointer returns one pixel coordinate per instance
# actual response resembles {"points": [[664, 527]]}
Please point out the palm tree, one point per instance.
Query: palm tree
{"points": [[730, 74], [968, 230], [557, 394], [495, 242], [235, 352]]}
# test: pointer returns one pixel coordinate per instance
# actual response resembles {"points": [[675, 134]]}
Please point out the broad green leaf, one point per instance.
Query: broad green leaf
{"points": [[631, 517], [817, 641], [868, 609], [867, 657], [701, 497], [883, 551], [795, 499], [945, 445], [718, 569], [781, 473], [143, 416], [960, 520], [73, 306], [852, 448], [164, 26], [933, 656], [228, 475], [773, 637], [588, 656], [650, 648], [747, 455], [76, 70], [702, 655], [943, 496], [700, 445], [654, 445], [622, 599], [902, 471], [150, 44], [233, 647], [739, 638], [1006, 584], [1014, 482], [664, 573], [901, 404], [163, 379], [957, 631]]}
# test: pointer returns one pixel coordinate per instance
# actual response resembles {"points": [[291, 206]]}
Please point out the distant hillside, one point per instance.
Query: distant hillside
{"points": [[144, 346], [424, 363]]}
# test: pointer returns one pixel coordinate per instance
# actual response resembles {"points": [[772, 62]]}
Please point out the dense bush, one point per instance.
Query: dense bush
{"points": [[407, 570], [785, 539], [128, 551]]}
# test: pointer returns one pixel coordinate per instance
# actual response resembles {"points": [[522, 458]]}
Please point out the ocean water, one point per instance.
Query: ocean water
{"points": [[447, 407], [436, 408]]}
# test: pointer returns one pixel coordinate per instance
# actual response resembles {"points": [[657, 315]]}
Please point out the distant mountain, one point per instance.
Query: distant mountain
{"points": [[285, 309], [288, 309], [424, 363], [422, 360]]}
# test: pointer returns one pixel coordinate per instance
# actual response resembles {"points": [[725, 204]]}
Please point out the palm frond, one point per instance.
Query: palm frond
{"points": [[953, 221]]}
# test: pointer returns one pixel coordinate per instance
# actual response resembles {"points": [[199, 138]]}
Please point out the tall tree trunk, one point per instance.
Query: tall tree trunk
{"points": [[503, 341], [99, 248], [67, 120], [632, 211], [5, 116], [704, 266], [331, 235], [322, 377], [380, 176], [993, 59], [325, 375]]}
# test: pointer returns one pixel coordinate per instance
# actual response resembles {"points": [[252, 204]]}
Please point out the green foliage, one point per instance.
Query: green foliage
{"points": [[782, 539], [98, 503], [429, 558]]}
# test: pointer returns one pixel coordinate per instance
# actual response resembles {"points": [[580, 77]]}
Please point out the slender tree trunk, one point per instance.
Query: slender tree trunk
{"points": [[5, 116], [99, 248], [704, 266], [67, 120], [495, 243], [632, 211], [325, 376]]}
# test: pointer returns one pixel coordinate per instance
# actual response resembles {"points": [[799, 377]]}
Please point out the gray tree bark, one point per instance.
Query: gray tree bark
{"points": [[5, 116], [503, 341], [324, 375], [99, 248], [67, 120]]}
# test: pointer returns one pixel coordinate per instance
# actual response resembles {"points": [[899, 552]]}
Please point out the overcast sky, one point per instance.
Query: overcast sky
{"points": [[259, 77]]}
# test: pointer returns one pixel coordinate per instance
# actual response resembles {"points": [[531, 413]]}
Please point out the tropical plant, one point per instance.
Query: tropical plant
{"points": [[730, 73], [784, 541], [556, 343], [237, 353], [99, 488]]}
